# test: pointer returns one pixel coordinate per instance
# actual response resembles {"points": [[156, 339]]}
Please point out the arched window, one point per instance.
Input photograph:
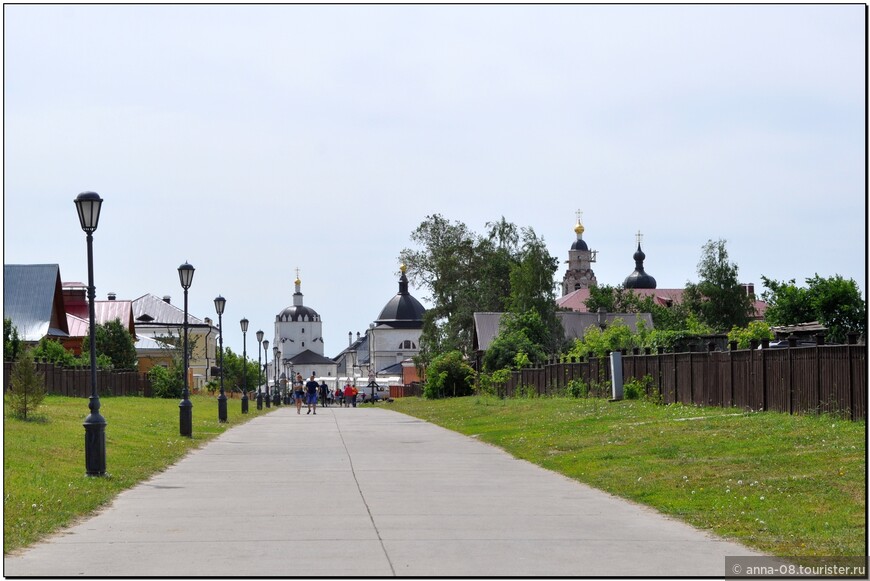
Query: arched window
{"points": [[407, 344]]}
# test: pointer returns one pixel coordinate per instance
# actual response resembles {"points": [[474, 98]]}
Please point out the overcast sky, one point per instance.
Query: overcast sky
{"points": [[252, 140]]}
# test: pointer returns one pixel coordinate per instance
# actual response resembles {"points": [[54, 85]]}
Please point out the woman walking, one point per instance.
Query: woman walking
{"points": [[298, 392]]}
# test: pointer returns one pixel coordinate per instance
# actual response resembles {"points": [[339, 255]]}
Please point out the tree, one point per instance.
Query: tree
{"points": [[115, 342], [26, 386], [757, 330], [718, 299], [11, 340], [237, 374], [621, 300], [448, 376], [834, 302], [464, 273], [518, 333], [531, 290]]}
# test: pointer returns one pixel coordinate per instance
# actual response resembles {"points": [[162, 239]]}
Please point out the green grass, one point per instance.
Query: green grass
{"points": [[785, 485], [44, 483]]}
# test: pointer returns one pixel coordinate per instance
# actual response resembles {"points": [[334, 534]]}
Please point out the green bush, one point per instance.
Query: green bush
{"points": [[448, 376], [577, 388], [643, 388], [166, 383]]}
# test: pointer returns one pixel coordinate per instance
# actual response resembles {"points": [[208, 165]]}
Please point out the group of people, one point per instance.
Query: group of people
{"points": [[309, 391]]}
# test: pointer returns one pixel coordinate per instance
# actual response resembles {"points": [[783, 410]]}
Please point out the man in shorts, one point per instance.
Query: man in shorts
{"points": [[311, 387]]}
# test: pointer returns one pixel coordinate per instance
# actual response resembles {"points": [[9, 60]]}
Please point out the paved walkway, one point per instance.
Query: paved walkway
{"points": [[368, 492]]}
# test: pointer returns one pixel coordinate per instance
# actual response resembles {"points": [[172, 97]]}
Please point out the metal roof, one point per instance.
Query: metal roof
{"points": [[153, 310], [33, 299]]}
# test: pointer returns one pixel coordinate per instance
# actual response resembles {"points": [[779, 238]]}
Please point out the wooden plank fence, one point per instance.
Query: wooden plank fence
{"points": [[821, 378], [77, 382]]}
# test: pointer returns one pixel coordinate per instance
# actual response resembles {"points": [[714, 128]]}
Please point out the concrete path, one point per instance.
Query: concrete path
{"points": [[368, 492]]}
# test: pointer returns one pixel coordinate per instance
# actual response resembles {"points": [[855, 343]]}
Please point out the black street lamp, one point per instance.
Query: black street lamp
{"points": [[244, 324], [219, 304], [275, 390], [266, 371], [259, 363], [88, 206], [185, 408]]}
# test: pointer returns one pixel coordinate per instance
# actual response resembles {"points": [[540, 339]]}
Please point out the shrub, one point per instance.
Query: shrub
{"points": [[643, 388], [166, 383], [448, 375], [26, 386], [577, 388]]}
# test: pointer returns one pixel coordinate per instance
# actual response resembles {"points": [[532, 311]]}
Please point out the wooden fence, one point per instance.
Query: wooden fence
{"points": [[822, 378], [77, 382]]}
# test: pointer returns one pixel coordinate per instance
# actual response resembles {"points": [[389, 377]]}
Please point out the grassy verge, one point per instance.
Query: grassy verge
{"points": [[785, 485], [44, 482]]}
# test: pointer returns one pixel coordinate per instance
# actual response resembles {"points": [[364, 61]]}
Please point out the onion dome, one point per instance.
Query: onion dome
{"points": [[579, 244], [639, 278], [403, 310], [297, 311]]}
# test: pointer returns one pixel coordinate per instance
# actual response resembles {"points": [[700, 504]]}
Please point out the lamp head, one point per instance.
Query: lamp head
{"points": [[220, 304], [88, 205], [244, 324], [185, 275], [266, 347], [259, 336]]}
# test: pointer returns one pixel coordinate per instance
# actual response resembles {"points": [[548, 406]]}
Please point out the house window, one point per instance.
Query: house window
{"points": [[407, 344]]}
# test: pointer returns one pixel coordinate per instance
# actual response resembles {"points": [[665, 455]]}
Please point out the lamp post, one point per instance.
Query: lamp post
{"points": [[244, 324], [88, 207], [266, 372], [185, 407], [288, 385], [259, 362], [219, 304], [275, 389]]}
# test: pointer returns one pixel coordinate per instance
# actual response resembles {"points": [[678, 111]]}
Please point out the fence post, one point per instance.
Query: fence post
{"points": [[820, 340], [792, 343], [851, 340]]}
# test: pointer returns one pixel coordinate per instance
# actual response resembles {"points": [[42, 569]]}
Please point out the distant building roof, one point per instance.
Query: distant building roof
{"points": [[33, 299], [309, 357], [151, 310]]}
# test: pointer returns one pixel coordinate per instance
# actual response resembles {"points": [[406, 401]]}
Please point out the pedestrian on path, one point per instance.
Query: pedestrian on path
{"points": [[348, 392], [324, 394], [312, 387], [339, 396], [298, 392]]}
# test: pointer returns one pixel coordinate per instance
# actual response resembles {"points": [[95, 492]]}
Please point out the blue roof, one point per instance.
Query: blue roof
{"points": [[33, 299]]}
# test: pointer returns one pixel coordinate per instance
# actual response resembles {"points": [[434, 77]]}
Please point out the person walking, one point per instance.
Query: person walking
{"points": [[311, 386], [339, 396], [349, 396], [324, 394], [298, 392]]}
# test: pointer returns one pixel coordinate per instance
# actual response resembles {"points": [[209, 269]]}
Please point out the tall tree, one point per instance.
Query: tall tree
{"points": [[834, 302], [532, 289], [718, 299], [115, 341], [464, 273]]}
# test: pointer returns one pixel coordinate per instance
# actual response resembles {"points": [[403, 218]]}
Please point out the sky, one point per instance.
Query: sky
{"points": [[251, 141]]}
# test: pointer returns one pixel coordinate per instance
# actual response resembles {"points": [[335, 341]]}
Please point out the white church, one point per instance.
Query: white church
{"points": [[380, 353]]}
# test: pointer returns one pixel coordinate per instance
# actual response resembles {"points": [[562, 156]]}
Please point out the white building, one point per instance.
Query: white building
{"points": [[299, 339]]}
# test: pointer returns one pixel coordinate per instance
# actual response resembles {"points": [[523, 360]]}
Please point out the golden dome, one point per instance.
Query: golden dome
{"points": [[403, 268], [579, 229]]}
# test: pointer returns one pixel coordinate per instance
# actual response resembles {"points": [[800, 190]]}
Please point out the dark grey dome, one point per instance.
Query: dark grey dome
{"points": [[297, 313], [579, 244], [402, 310], [639, 278]]}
